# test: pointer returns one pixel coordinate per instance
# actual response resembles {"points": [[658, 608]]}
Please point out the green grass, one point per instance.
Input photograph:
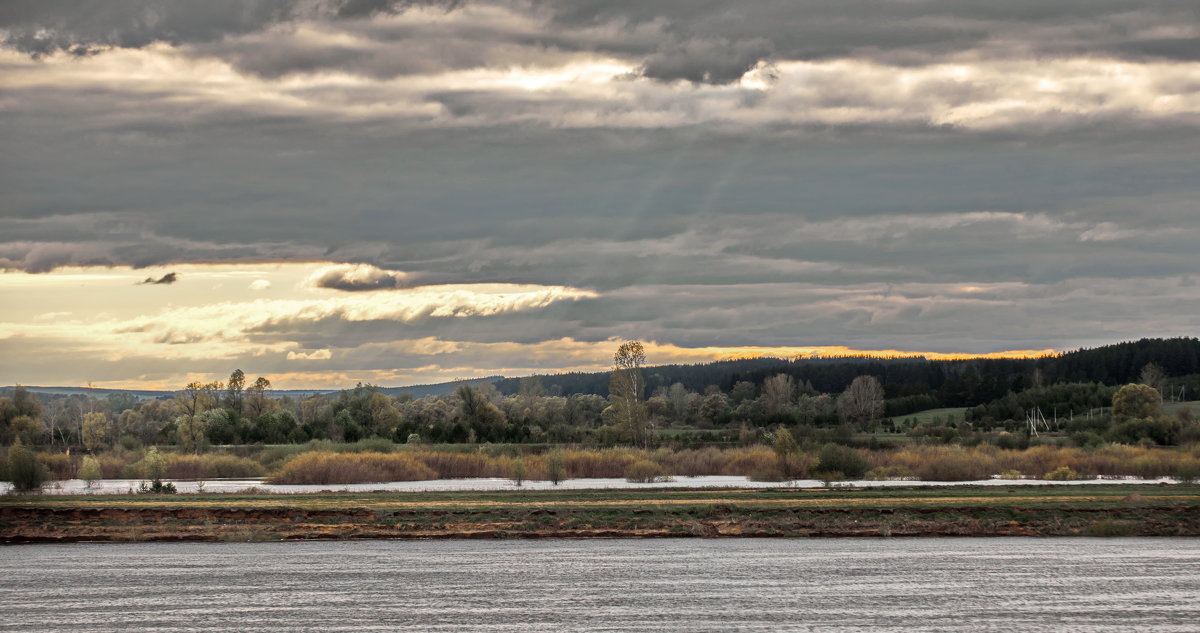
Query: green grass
{"points": [[1173, 407], [927, 416]]}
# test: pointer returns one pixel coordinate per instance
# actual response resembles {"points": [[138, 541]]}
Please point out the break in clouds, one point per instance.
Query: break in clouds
{"points": [[953, 176]]}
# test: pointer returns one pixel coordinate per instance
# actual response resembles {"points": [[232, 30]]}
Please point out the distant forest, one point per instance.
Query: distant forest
{"points": [[720, 403], [950, 383]]}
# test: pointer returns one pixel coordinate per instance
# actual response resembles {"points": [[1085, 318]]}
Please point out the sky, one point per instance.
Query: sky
{"points": [[332, 191]]}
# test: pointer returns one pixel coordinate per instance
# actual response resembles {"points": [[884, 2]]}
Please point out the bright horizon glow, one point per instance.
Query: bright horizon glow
{"points": [[257, 316]]}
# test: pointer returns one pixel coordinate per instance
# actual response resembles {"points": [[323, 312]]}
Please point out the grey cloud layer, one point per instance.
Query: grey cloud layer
{"points": [[824, 203], [694, 40]]}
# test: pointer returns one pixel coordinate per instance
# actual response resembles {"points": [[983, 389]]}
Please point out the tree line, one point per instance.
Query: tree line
{"points": [[637, 406]]}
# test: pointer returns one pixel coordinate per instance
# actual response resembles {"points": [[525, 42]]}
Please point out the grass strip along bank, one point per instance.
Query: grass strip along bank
{"points": [[1111, 510]]}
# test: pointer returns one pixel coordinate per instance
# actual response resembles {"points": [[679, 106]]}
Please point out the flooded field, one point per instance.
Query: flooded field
{"points": [[124, 486], [998, 584]]}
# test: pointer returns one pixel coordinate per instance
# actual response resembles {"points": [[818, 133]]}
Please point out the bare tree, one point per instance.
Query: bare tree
{"points": [[861, 402], [1153, 376], [778, 391], [626, 388]]}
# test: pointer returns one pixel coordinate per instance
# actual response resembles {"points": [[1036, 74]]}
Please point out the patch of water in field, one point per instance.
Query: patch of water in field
{"points": [[117, 486], [998, 584]]}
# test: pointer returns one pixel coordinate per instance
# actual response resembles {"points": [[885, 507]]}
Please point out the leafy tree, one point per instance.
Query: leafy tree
{"points": [[785, 447], [190, 432], [1136, 401], [680, 400], [196, 398], [477, 411], [256, 400], [233, 391], [26, 429], [743, 390], [116, 403], [96, 431], [24, 470], [715, 408]]}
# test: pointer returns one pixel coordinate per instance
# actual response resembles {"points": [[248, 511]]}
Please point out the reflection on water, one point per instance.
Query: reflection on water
{"points": [[121, 486], [1021, 585]]}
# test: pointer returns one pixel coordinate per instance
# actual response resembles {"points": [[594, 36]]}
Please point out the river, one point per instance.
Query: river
{"points": [[998, 584]]}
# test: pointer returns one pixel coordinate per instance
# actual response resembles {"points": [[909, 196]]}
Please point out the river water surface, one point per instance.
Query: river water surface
{"points": [[997, 584]]}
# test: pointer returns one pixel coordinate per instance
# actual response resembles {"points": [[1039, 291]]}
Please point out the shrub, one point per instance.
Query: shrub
{"points": [[231, 466], [956, 465], [645, 471], [153, 465], [1011, 473], [1062, 473], [89, 470], [843, 459], [694, 463], [1087, 439], [57, 465], [111, 466], [1188, 472], [157, 487], [745, 461], [24, 470]]}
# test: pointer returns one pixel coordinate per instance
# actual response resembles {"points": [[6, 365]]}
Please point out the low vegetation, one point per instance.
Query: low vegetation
{"points": [[1062, 417], [371, 462]]}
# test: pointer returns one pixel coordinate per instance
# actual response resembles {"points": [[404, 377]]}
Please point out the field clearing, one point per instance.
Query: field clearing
{"points": [[955, 414], [1172, 408]]}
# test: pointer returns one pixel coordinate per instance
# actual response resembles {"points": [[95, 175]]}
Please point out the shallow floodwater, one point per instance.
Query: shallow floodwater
{"points": [[118, 486], [999, 584]]}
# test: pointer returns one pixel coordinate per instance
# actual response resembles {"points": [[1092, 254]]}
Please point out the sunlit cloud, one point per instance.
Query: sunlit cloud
{"points": [[320, 354], [356, 277]]}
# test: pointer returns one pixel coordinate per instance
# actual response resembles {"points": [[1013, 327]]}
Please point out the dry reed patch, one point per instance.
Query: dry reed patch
{"points": [[322, 467]]}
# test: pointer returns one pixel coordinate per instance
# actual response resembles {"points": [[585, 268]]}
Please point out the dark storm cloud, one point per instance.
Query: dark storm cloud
{"points": [[166, 279], [40, 28], [693, 40], [909, 31]]}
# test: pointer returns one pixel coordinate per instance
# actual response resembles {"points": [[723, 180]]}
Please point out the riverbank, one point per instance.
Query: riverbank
{"points": [[1051, 510]]}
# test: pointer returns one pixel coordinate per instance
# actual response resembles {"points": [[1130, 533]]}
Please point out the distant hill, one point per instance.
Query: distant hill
{"points": [[955, 383], [95, 392], [437, 389], [417, 391]]}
